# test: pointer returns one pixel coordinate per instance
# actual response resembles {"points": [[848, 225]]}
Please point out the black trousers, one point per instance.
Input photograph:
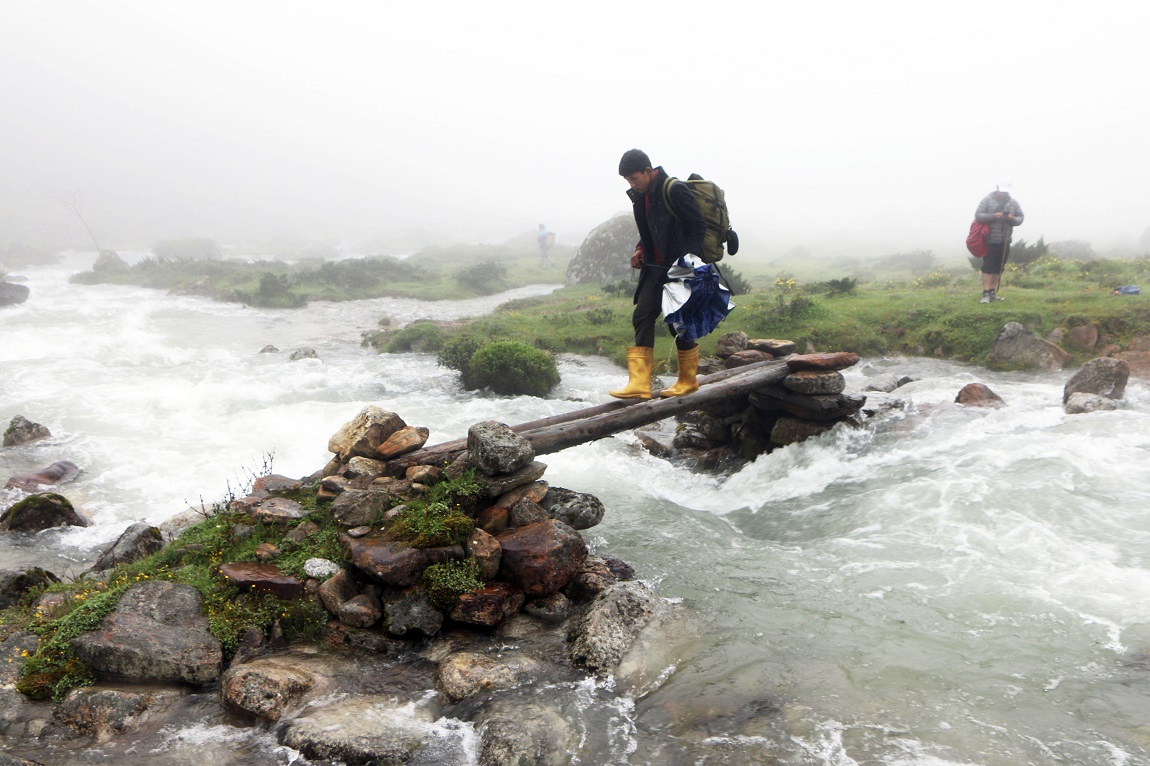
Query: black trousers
{"points": [[648, 306], [995, 259]]}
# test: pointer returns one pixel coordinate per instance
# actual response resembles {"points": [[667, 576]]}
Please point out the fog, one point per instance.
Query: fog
{"points": [[877, 126]]}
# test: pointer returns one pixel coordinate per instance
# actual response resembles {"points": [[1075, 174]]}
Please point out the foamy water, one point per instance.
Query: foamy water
{"points": [[946, 586]]}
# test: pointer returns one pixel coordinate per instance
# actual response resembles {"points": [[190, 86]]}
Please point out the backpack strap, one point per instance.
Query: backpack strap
{"points": [[671, 181]]}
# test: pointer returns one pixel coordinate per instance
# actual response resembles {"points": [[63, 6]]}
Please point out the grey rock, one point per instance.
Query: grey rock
{"points": [[414, 611], [525, 733], [526, 512], [101, 713], [578, 510], [464, 674], [605, 254], [610, 625], [1015, 346], [320, 569], [11, 294], [136, 542], [1080, 403], [495, 449], [15, 583], [363, 434], [360, 611], [361, 507], [813, 382], [303, 353], [349, 730], [265, 687], [22, 431], [1104, 376]]}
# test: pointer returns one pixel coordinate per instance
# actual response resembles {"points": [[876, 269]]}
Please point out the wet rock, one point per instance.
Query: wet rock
{"points": [[364, 468], [1137, 361], [136, 542], [262, 578], [406, 439], [552, 609], [22, 431], [541, 558], [273, 482], [730, 343], [15, 583], [413, 611], [489, 606], [1084, 337], [57, 473], [827, 361], [102, 713], [610, 625], [886, 382], [815, 382], [266, 551], [486, 552], [13, 650], [465, 674], [278, 510], [37, 512], [424, 474], [1104, 376], [304, 352], [495, 449], [336, 590], [269, 349], [265, 687], [1080, 403], [360, 611], [772, 346], [364, 433], [396, 564], [1017, 347], [360, 507], [11, 294], [789, 430], [821, 408], [503, 483], [525, 733], [359, 731], [978, 395], [657, 443], [493, 520], [534, 491], [301, 532], [578, 510], [156, 633], [526, 512], [745, 357], [595, 575]]}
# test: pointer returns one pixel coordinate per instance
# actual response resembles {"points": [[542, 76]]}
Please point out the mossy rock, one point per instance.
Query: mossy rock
{"points": [[43, 511]]}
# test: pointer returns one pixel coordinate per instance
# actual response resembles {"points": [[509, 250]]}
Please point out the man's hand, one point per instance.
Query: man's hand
{"points": [[637, 258]]}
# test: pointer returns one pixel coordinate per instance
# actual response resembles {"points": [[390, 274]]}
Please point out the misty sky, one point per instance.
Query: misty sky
{"points": [[879, 122]]}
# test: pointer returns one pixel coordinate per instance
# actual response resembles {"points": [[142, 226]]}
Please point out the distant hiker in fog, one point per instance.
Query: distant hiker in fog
{"points": [[1002, 213], [546, 239], [664, 237]]}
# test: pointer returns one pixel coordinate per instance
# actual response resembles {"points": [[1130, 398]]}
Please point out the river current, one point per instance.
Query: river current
{"points": [[947, 586]]}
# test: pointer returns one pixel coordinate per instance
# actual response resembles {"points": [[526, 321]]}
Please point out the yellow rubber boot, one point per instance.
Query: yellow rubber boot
{"points": [[688, 370], [639, 362]]}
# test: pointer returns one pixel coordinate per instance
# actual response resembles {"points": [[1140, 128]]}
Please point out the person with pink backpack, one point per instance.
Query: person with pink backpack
{"points": [[1001, 213]]}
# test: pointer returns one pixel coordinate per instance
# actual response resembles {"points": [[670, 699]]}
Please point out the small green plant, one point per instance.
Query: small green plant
{"points": [[600, 315], [446, 582], [431, 525], [618, 287], [457, 351], [512, 368], [933, 279]]}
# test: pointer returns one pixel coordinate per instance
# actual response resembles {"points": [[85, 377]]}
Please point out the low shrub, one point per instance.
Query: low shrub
{"points": [[457, 351], [431, 525], [511, 368], [417, 336], [446, 582]]}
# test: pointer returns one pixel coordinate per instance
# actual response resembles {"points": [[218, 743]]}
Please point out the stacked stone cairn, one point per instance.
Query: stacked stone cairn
{"points": [[809, 401]]}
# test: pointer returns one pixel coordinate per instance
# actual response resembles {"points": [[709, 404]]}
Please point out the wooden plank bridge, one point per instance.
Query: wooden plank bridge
{"points": [[559, 432]]}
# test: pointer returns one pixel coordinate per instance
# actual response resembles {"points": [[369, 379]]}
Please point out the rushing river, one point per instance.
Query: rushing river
{"points": [[948, 586]]}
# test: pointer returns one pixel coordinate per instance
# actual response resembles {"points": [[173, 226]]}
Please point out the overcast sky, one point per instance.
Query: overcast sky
{"points": [[884, 122]]}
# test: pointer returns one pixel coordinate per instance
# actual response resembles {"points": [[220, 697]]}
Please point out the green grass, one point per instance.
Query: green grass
{"points": [[935, 313]]}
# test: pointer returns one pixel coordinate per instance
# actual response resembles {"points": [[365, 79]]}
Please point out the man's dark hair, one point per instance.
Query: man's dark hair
{"points": [[634, 161]]}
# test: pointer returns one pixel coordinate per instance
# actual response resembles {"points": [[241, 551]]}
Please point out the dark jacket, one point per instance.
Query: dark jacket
{"points": [[663, 237]]}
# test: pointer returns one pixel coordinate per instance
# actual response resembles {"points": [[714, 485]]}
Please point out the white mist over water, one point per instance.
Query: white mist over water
{"points": [[946, 586]]}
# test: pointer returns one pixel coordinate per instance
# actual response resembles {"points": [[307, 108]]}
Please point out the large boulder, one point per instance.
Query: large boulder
{"points": [[11, 294], [541, 558], [611, 624], [605, 254], [156, 634], [265, 687], [978, 395], [578, 510], [364, 433], [1104, 376], [37, 512], [1019, 348], [21, 430], [136, 542]]}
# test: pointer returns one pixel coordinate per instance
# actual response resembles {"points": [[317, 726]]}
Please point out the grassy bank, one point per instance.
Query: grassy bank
{"points": [[452, 273], [936, 314]]}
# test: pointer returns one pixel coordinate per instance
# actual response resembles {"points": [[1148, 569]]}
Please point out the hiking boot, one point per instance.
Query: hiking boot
{"points": [[986, 296]]}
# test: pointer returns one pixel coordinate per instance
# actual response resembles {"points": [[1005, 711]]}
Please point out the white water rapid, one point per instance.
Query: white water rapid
{"points": [[947, 587]]}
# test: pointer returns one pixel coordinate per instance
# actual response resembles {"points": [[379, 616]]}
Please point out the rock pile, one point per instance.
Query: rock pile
{"points": [[809, 401]]}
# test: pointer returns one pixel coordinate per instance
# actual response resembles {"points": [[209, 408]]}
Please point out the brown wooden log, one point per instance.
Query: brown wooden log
{"points": [[559, 432]]}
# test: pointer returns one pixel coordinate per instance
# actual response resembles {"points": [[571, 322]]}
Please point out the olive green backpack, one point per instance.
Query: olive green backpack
{"points": [[713, 207]]}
